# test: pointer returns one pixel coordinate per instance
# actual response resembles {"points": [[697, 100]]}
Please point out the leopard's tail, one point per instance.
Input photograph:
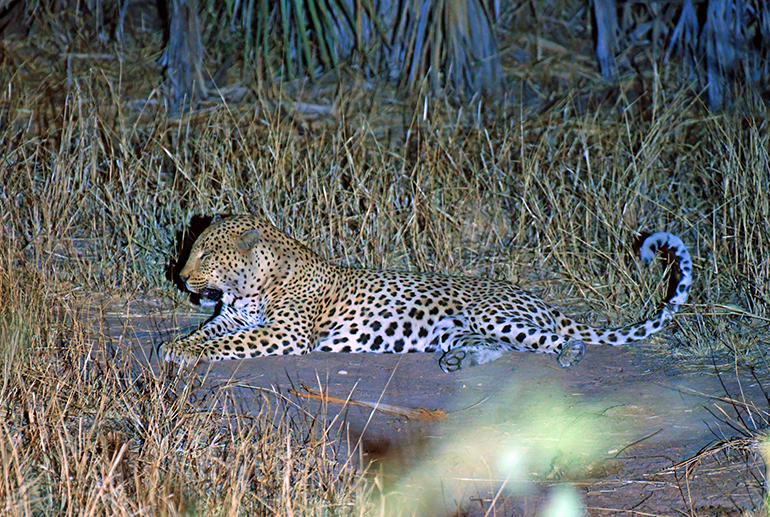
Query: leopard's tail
{"points": [[679, 287]]}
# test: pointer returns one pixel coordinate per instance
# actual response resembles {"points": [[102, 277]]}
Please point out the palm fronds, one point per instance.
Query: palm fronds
{"points": [[289, 38], [450, 42], [722, 43]]}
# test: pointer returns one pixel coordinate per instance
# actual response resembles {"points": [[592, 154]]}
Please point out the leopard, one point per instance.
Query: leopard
{"points": [[275, 296]]}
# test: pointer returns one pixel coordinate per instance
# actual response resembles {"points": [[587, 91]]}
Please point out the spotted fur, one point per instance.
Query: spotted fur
{"points": [[279, 297]]}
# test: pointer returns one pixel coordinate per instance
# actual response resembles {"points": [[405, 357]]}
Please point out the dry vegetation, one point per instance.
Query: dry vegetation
{"points": [[95, 188]]}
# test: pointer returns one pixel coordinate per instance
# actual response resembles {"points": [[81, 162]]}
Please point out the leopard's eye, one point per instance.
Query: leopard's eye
{"points": [[205, 254]]}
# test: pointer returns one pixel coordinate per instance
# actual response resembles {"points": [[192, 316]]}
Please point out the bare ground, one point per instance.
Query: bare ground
{"points": [[518, 430]]}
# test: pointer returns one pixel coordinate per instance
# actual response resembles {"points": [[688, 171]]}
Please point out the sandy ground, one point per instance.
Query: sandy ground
{"points": [[522, 435]]}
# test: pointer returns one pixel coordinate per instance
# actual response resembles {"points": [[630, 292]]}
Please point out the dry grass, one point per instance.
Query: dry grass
{"points": [[86, 430], [94, 191]]}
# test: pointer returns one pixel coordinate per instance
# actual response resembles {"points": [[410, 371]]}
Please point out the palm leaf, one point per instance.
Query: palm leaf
{"points": [[450, 35]]}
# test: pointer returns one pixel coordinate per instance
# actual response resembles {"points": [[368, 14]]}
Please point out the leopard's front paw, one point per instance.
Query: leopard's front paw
{"points": [[169, 353]]}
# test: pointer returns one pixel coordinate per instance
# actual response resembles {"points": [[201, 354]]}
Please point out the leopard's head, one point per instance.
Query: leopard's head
{"points": [[232, 259]]}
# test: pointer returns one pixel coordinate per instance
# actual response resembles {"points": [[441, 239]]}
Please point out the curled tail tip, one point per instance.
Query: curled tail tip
{"points": [[677, 294], [663, 240]]}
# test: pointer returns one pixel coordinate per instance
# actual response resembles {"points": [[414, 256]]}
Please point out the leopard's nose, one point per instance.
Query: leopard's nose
{"points": [[184, 278]]}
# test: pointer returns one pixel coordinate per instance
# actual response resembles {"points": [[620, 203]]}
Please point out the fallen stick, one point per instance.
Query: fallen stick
{"points": [[421, 414]]}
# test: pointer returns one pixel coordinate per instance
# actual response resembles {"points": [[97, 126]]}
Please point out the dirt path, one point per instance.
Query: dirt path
{"points": [[603, 429]]}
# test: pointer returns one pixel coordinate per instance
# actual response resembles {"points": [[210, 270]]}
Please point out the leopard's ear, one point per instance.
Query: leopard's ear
{"points": [[249, 238]]}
